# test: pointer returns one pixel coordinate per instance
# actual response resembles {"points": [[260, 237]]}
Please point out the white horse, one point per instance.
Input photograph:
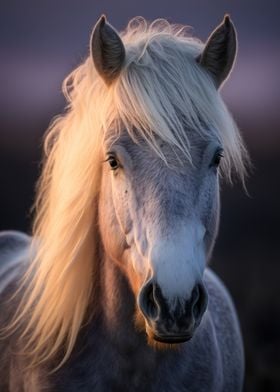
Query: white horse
{"points": [[113, 293]]}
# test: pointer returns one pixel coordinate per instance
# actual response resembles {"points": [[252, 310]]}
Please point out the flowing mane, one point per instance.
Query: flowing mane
{"points": [[161, 92]]}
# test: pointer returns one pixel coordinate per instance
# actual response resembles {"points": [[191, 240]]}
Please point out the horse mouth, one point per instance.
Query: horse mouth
{"points": [[172, 339]]}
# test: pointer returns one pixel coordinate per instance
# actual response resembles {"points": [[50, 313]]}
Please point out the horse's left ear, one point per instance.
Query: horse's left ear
{"points": [[107, 50], [220, 51]]}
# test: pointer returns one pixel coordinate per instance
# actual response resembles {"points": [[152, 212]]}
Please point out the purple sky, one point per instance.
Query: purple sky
{"points": [[42, 41]]}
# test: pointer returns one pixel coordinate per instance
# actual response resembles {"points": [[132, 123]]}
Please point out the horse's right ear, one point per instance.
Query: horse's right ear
{"points": [[220, 51], [107, 50]]}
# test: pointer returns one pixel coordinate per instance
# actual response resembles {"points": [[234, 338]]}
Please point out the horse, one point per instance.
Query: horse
{"points": [[113, 292]]}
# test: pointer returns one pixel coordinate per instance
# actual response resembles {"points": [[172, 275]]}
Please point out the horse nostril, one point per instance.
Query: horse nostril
{"points": [[147, 301], [198, 301]]}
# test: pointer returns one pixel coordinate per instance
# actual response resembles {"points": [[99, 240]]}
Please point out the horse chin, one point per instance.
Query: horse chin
{"points": [[156, 341], [162, 344]]}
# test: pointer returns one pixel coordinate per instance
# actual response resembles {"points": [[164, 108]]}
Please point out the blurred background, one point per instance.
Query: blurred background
{"points": [[42, 41]]}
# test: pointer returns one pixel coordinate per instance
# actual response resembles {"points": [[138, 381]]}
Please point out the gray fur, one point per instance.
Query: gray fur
{"points": [[13, 248]]}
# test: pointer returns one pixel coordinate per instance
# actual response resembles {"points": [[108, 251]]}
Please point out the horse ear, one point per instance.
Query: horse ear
{"points": [[107, 50], [220, 51]]}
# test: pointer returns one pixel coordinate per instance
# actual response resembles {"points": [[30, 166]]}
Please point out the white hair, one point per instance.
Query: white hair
{"points": [[161, 92]]}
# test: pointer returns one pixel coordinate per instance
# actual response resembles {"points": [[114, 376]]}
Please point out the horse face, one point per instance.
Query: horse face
{"points": [[159, 222]]}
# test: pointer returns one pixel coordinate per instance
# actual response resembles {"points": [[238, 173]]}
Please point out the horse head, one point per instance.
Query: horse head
{"points": [[159, 199]]}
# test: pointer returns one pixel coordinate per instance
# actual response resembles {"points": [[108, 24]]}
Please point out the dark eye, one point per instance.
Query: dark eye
{"points": [[114, 164], [217, 158]]}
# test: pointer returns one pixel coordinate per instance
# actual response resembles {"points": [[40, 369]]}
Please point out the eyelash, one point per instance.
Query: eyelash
{"points": [[217, 158]]}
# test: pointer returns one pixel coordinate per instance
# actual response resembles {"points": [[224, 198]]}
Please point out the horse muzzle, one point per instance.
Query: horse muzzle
{"points": [[171, 321]]}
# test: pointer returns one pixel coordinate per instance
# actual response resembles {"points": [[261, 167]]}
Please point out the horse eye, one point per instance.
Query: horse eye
{"points": [[217, 158], [114, 164]]}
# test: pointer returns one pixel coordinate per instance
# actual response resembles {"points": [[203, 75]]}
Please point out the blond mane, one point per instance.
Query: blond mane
{"points": [[161, 91]]}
